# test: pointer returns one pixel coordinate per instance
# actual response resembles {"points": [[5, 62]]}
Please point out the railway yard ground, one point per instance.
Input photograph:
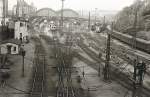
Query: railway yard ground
{"points": [[16, 85], [87, 50], [71, 64], [95, 86], [124, 67], [48, 75], [73, 69], [91, 84]]}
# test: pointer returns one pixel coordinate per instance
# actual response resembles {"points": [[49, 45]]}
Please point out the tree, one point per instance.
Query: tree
{"points": [[126, 18]]}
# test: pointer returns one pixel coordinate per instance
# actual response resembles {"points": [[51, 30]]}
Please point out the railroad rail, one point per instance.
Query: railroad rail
{"points": [[64, 86], [38, 81], [122, 52], [116, 74], [64, 68]]}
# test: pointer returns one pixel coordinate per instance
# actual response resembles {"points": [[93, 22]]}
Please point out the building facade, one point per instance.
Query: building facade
{"points": [[3, 8], [23, 9]]}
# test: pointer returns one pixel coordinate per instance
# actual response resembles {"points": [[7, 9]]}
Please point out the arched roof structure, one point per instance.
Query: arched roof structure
{"points": [[46, 12], [68, 13]]}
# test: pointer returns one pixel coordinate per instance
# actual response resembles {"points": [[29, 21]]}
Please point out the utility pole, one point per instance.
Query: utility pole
{"points": [[95, 14], [139, 67], [17, 9], [89, 25], [4, 13], [107, 67], [23, 8], [104, 20], [135, 28], [2, 19], [99, 68], [62, 14]]}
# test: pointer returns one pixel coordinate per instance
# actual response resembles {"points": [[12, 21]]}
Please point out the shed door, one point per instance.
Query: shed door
{"points": [[9, 49]]}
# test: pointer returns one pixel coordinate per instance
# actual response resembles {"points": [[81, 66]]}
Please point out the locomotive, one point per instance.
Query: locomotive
{"points": [[52, 26], [98, 28]]}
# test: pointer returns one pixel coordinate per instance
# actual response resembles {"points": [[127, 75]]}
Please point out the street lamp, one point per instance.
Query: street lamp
{"points": [[23, 53]]}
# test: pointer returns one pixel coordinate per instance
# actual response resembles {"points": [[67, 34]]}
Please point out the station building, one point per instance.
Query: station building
{"points": [[48, 12]]}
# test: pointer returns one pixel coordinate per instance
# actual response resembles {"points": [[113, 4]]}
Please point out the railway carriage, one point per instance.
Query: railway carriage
{"points": [[140, 43]]}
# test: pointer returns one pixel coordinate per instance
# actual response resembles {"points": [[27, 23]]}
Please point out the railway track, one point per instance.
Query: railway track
{"points": [[116, 74], [122, 52], [64, 86], [38, 81]]}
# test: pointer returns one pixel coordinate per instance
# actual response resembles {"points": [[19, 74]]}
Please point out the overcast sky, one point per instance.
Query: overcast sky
{"points": [[79, 4]]}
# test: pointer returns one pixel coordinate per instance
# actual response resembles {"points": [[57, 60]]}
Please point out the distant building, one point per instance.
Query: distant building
{"points": [[48, 12], [68, 13], [3, 8], [23, 9], [3, 14], [11, 46]]}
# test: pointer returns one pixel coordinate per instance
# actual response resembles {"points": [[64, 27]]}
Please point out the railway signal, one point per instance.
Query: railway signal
{"points": [[138, 77]]}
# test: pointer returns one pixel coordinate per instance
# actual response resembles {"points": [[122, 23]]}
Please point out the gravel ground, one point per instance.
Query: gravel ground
{"points": [[16, 85]]}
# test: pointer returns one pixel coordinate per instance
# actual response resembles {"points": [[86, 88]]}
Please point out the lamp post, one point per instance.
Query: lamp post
{"points": [[23, 53]]}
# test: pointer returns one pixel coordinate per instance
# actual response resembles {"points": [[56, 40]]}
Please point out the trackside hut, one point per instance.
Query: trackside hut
{"points": [[21, 30], [11, 46]]}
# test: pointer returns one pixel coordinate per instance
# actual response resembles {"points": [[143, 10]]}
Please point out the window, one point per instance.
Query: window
{"points": [[14, 48], [21, 24]]}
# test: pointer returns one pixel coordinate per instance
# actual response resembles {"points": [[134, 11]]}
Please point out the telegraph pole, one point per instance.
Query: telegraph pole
{"points": [[107, 67], [139, 67], [62, 14], [99, 68], [17, 9], [95, 14], [135, 28], [104, 20], [89, 25]]}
